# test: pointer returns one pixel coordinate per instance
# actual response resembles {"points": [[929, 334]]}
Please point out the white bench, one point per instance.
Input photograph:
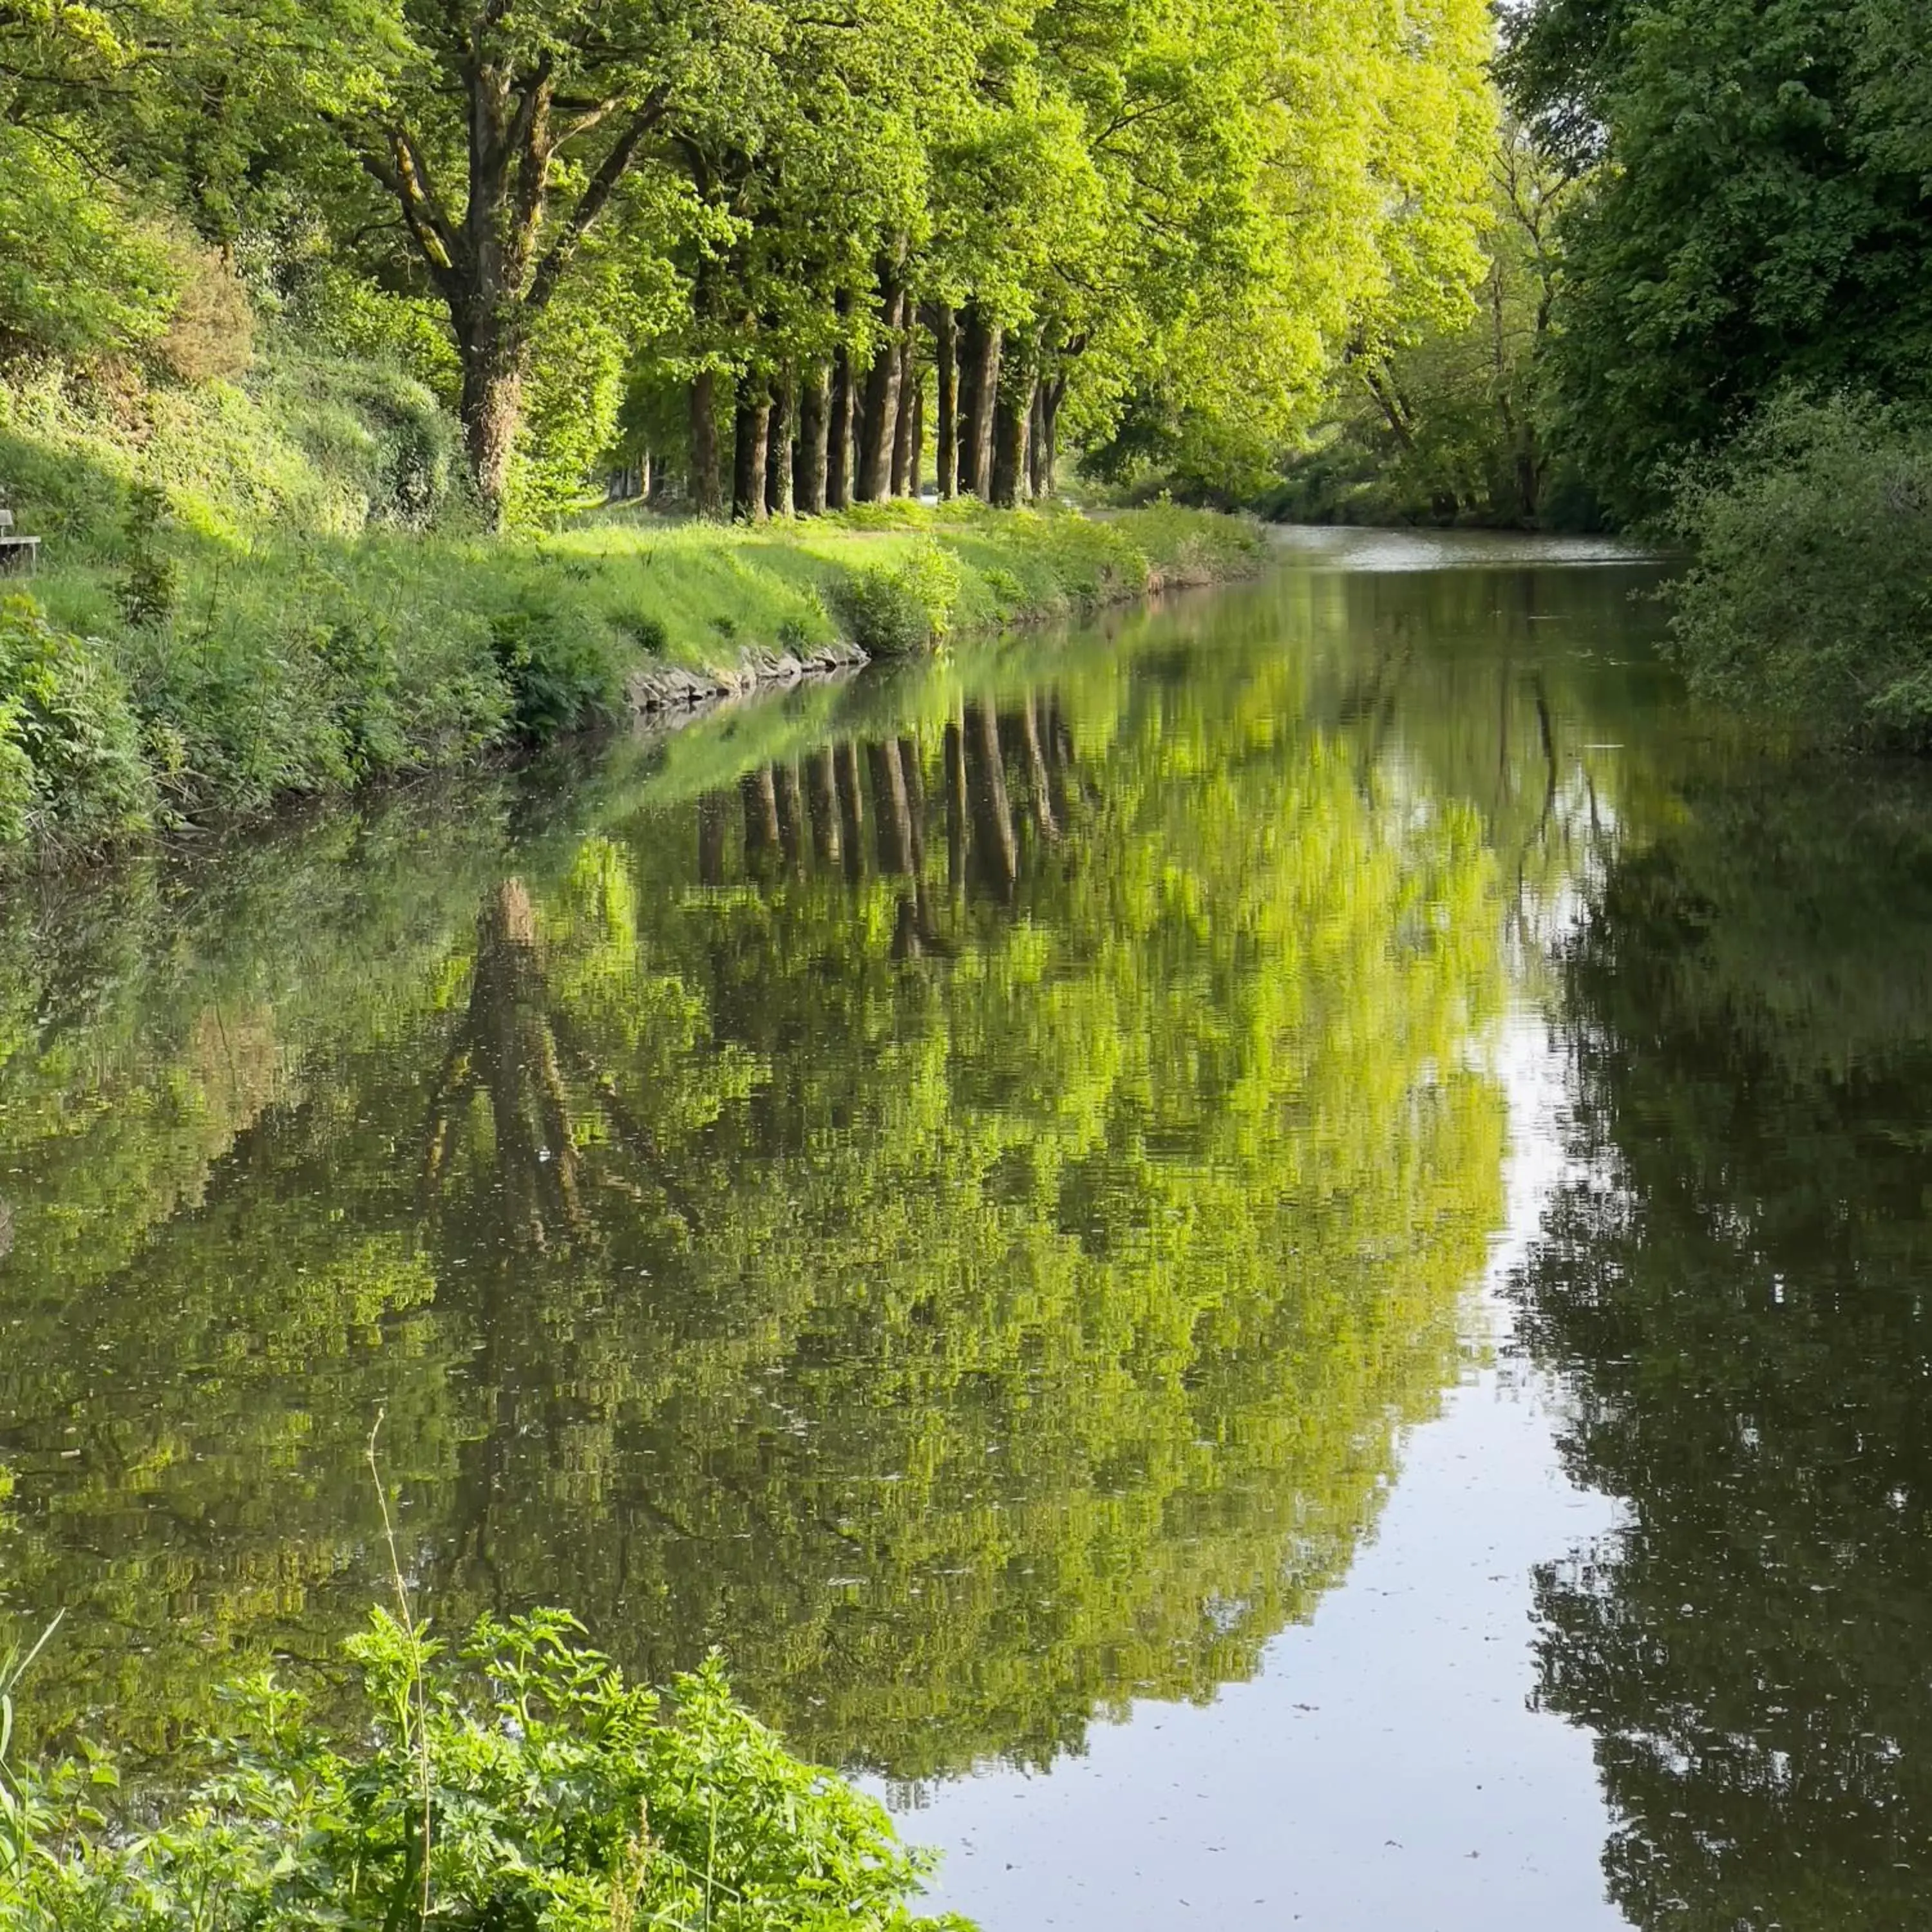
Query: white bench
{"points": [[19, 556]]}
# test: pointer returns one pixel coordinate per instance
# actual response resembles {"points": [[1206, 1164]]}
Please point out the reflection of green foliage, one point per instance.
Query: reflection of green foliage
{"points": [[1734, 1284], [961, 1220]]}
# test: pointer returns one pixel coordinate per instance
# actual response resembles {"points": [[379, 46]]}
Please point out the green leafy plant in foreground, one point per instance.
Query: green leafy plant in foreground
{"points": [[514, 1782]]}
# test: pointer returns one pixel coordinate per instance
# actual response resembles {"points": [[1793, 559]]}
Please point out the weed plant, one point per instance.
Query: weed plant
{"points": [[513, 1781]]}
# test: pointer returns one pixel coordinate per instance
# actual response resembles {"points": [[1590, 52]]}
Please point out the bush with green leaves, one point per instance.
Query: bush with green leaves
{"points": [[515, 1784], [73, 773], [902, 608], [1812, 590]]}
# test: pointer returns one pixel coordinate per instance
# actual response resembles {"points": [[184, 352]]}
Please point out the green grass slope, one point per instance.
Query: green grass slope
{"points": [[272, 585]]}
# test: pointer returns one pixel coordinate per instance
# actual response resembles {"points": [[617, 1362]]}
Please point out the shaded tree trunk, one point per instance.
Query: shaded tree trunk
{"points": [[979, 388], [1013, 414], [492, 409], [707, 482], [815, 419], [878, 413], [907, 402], [838, 435], [915, 461], [1052, 394], [778, 485], [486, 264], [751, 424], [946, 339], [1037, 446]]}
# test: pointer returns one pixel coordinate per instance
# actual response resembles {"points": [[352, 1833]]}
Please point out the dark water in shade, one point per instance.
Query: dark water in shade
{"points": [[1271, 1260]]}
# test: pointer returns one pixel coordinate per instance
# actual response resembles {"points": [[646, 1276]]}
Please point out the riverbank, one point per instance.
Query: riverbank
{"points": [[183, 674]]}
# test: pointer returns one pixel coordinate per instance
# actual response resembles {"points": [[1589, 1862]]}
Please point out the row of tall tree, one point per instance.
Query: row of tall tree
{"points": [[839, 231]]}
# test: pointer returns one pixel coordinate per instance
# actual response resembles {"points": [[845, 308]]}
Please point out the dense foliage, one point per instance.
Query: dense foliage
{"points": [[756, 237], [1760, 216], [515, 1780], [1812, 588]]}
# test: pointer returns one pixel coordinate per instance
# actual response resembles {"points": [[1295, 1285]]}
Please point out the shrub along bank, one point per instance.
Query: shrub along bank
{"points": [[1812, 592], [516, 1782], [254, 591]]}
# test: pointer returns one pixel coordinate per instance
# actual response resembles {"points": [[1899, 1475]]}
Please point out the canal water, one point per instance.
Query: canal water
{"points": [[1269, 1260]]}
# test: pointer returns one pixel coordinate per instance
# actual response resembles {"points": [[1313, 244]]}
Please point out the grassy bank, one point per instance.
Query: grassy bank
{"points": [[268, 587]]}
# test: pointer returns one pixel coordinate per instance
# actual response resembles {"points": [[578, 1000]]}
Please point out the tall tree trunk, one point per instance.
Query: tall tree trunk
{"points": [[779, 488], [904, 485], [838, 435], [707, 484], [916, 459], [1037, 445], [1052, 394], [980, 399], [970, 344], [814, 418], [946, 339], [1012, 416], [752, 426], [486, 262], [492, 409], [879, 409]]}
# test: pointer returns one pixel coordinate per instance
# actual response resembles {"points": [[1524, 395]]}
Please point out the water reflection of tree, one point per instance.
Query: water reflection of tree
{"points": [[959, 1220], [1734, 1286]]}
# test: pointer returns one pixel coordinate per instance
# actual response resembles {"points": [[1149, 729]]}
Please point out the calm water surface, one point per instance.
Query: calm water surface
{"points": [[1271, 1261]]}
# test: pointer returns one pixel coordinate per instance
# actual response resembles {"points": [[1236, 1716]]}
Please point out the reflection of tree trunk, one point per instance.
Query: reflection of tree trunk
{"points": [[822, 789], [955, 804], [889, 800], [791, 816], [1042, 786], [761, 816], [507, 1047], [908, 942], [991, 809], [915, 792], [712, 819], [851, 811]]}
